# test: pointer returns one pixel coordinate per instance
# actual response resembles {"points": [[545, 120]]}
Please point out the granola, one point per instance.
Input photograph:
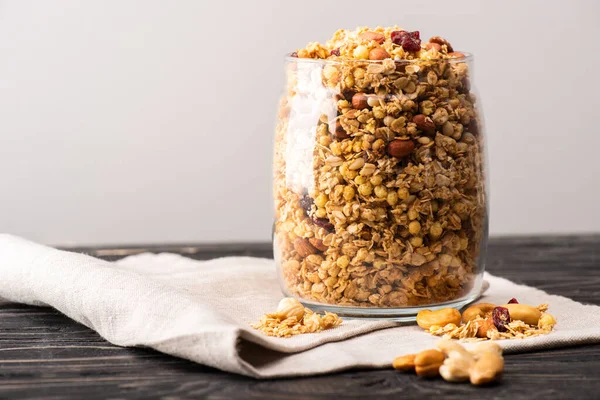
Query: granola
{"points": [[292, 319], [378, 172], [471, 330]]}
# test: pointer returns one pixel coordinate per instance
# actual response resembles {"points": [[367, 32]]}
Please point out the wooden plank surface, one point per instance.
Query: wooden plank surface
{"points": [[45, 355]]}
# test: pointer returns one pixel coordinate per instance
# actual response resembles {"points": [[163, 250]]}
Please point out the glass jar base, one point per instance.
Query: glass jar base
{"points": [[400, 314]]}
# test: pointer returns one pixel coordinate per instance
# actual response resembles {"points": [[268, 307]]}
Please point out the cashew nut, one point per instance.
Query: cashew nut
{"points": [[456, 367], [458, 361], [477, 310], [528, 314], [483, 347], [487, 368], [447, 346], [428, 363], [427, 318], [482, 365]]}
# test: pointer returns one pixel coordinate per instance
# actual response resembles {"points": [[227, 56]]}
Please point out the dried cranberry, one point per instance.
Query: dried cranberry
{"points": [[501, 318], [348, 93], [306, 203], [513, 301], [294, 54], [397, 36], [335, 52], [323, 223], [410, 44], [410, 41]]}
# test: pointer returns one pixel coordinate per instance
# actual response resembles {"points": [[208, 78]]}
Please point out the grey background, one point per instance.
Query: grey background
{"points": [[152, 121]]}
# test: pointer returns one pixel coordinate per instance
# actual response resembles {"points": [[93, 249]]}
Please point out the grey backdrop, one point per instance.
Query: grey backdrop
{"points": [[152, 121]]}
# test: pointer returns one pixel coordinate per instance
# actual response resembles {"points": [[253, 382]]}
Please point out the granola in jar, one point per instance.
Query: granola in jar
{"points": [[379, 181]]}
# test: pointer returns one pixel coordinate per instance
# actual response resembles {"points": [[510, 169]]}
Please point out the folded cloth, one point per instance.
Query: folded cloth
{"points": [[201, 310]]}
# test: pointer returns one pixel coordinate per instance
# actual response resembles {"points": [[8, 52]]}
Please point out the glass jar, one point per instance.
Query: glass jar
{"points": [[379, 186]]}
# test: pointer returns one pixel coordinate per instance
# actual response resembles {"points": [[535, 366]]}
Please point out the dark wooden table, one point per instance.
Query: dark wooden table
{"points": [[45, 355]]}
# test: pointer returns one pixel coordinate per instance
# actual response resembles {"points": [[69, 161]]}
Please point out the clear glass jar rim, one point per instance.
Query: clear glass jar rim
{"points": [[465, 57]]}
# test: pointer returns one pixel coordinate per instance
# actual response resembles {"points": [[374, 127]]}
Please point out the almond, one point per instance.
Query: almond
{"points": [[456, 54], [359, 101], [424, 123], [318, 244], [441, 41], [378, 54], [378, 37], [400, 148], [303, 247], [435, 46]]}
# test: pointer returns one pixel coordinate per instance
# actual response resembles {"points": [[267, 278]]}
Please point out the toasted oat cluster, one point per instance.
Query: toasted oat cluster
{"points": [[379, 44], [292, 318], [378, 172]]}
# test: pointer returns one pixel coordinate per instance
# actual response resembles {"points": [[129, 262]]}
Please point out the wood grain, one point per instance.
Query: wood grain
{"points": [[45, 355]]}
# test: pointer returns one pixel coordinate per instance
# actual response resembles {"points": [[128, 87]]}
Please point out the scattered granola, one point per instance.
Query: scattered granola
{"points": [[499, 322], [292, 318], [378, 172]]}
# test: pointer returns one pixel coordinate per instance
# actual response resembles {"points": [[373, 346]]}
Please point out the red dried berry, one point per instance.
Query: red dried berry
{"points": [[415, 35], [513, 301], [397, 36], [335, 52], [410, 41], [323, 223], [294, 54], [501, 318], [410, 44]]}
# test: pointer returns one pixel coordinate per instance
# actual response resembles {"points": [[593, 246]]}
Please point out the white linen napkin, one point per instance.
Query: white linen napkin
{"points": [[200, 310]]}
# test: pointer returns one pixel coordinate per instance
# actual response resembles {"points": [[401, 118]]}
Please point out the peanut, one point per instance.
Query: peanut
{"points": [[522, 312], [400, 148], [487, 368], [546, 321], [404, 363], [424, 123], [436, 46], [428, 363], [441, 41], [427, 318], [359, 101], [477, 310], [484, 326]]}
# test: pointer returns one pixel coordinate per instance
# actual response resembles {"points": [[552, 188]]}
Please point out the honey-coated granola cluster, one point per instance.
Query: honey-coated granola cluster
{"points": [[378, 172]]}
